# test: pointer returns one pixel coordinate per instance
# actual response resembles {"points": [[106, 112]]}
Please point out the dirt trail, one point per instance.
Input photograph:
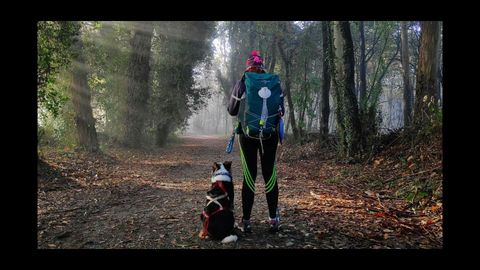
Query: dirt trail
{"points": [[136, 199]]}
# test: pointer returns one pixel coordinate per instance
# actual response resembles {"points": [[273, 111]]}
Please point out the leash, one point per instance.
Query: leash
{"points": [[230, 143]]}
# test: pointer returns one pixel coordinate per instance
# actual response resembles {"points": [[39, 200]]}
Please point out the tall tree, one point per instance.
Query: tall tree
{"points": [[177, 55], [344, 88], [138, 84], [267, 35], [425, 92], [363, 66], [307, 76], [287, 65], [379, 57], [240, 41], [438, 64], [304, 88], [407, 92], [327, 70], [107, 48], [55, 41], [273, 52], [81, 100]]}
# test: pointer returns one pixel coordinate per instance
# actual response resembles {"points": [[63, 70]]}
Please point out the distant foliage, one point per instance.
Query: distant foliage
{"points": [[179, 48]]}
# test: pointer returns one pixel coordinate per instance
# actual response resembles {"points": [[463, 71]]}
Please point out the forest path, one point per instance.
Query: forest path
{"points": [[137, 199]]}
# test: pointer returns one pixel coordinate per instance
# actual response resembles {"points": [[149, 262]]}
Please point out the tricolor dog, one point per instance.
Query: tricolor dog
{"points": [[217, 217]]}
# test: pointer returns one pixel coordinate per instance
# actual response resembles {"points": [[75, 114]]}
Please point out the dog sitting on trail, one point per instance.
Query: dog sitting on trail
{"points": [[217, 216]]}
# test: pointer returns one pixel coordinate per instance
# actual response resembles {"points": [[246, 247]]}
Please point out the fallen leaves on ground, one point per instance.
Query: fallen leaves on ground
{"points": [[136, 199]]}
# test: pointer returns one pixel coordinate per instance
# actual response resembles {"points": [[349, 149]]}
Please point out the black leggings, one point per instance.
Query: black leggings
{"points": [[248, 154]]}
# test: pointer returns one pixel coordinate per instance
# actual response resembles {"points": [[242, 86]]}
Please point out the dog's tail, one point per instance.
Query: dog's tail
{"points": [[229, 239]]}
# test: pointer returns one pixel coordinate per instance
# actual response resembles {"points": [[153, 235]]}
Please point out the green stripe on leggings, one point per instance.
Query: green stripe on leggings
{"points": [[246, 172], [271, 182]]}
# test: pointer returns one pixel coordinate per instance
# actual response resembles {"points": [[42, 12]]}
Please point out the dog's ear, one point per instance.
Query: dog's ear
{"points": [[227, 165], [215, 166]]}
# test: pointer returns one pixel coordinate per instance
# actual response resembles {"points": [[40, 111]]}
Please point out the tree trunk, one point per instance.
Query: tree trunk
{"points": [[162, 134], [252, 36], [304, 105], [390, 106], [273, 51], [239, 51], [426, 74], [327, 70], [344, 81], [287, 123], [407, 92], [138, 84], [363, 76], [439, 66], [286, 91], [315, 111], [291, 110], [81, 99]]}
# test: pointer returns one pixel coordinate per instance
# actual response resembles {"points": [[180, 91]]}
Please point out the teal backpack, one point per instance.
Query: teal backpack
{"points": [[260, 108]]}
